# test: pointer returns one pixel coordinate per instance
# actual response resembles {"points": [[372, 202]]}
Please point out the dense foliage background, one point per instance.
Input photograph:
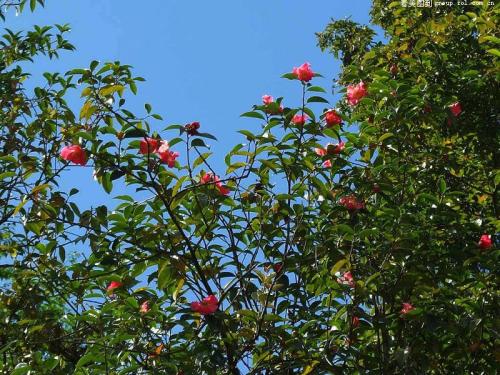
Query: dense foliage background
{"points": [[374, 254]]}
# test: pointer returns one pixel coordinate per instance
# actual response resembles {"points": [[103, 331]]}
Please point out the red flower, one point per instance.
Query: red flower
{"points": [[75, 154], [206, 306], [144, 307], [356, 92], [192, 129], [211, 178], [330, 149], [346, 279], [407, 307], [304, 72], [322, 152], [149, 146], [267, 99], [166, 155], [114, 285], [332, 118], [351, 203], [455, 108], [355, 322], [485, 242], [277, 267], [299, 119]]}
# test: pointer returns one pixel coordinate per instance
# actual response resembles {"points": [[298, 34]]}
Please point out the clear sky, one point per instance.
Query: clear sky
{"points": [[206, 61]]}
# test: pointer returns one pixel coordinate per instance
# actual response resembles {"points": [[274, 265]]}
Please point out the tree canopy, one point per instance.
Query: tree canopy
{"points": [[357, 239]]}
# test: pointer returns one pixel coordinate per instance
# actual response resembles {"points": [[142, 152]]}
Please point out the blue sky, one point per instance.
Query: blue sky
{"points": [[206, 61]]}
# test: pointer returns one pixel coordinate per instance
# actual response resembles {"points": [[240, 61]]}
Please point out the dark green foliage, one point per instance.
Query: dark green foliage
{"points": [[277, 248]]}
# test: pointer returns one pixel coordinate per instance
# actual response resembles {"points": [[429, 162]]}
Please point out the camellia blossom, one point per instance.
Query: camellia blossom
{"points": [[304, 72], [75, 154], [144, 307], [456, 108], [299, 119], [208, 178], [206, 306], [330, 149], [167, 156], [356, 92], [485, 242], [192, 128], [267, 99], [346, 279], [407, 307], [322, 152], [351, 203], [114, 285], [332, 118], [149, 146]]}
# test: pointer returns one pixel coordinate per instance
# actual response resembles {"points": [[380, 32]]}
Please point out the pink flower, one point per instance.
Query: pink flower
{"points": [[149, 146], [304, 72], [355, 322], [75, 154], [206, 306], [407, 307], [192, 128], [320, 151], [167, 156], [163, 147], [323, 152], [346, 279], [114, 285], [144, 307], [299, 119], [330, 149], [356, 92], [485, 242], [267, 99], [455, 108], [332, 118], [208, 178], [351, 203]]}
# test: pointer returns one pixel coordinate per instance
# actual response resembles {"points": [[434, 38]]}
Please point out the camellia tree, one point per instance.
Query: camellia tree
{"points": [[360, 239]]}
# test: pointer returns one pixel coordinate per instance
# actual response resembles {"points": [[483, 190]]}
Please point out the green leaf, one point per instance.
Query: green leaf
{"points": [[316, 89], [107, 184], [135, 133], [289, 76], [197, 142], [494, 51], [336, 268], [442, 185], [385, 136], [317, 99], [21, 369], [164, 275], [253, 114]]}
